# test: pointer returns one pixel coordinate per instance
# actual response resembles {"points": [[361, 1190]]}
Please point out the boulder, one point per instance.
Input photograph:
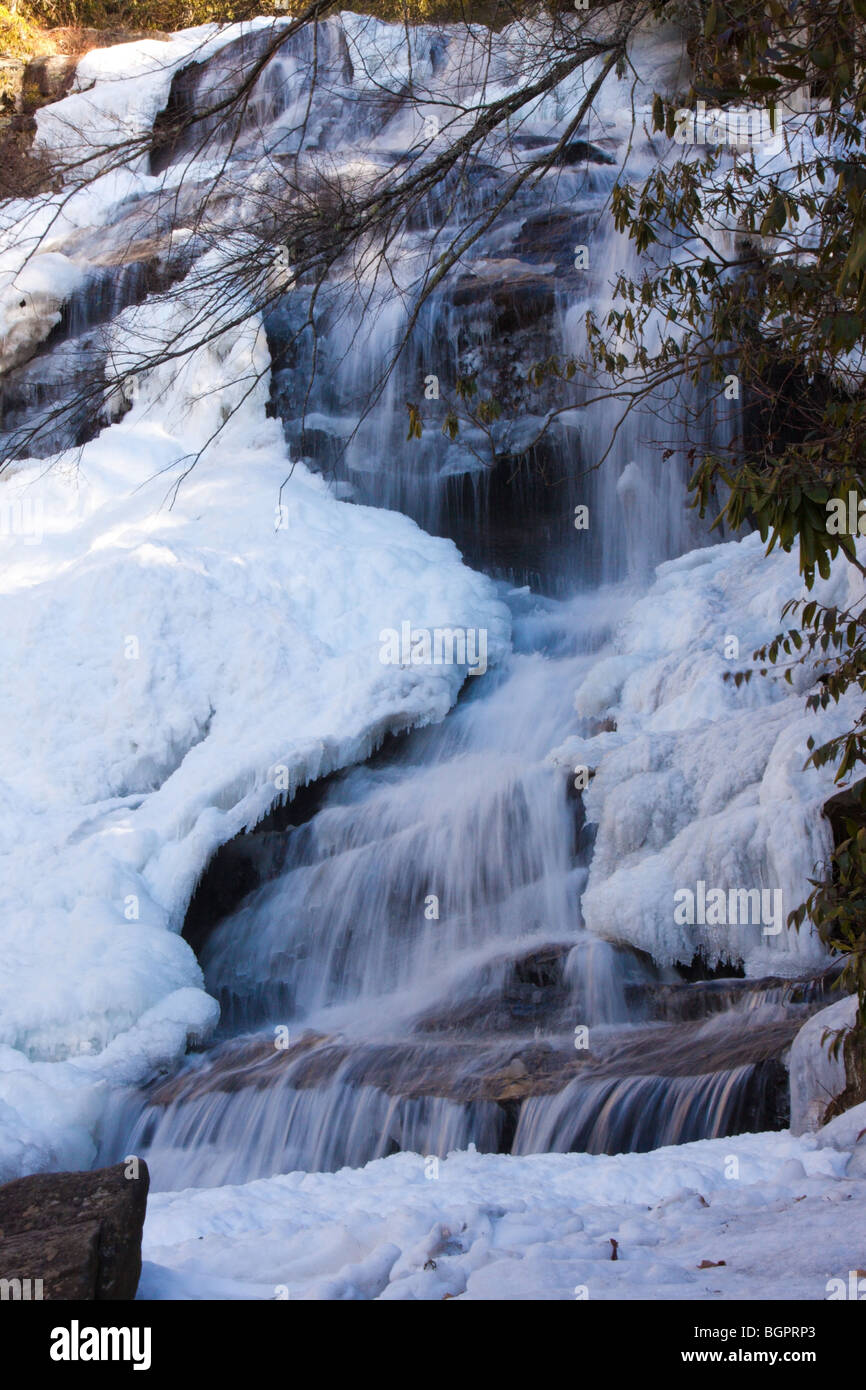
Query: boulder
{"points": [[48, 79], [54, 1262], [80, 1233]]}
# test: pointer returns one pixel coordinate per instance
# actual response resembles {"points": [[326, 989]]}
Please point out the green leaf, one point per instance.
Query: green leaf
{"points": [[762, 84]]}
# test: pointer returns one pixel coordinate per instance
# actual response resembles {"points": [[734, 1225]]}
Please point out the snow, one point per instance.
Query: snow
{"points": [[846, 1131], [31, 298], [118, 91], [777, 1211], [117, 94], [701, 781]]}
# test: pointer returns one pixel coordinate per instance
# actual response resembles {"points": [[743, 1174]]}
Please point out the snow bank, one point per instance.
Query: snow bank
{"points": [[702, 782], [491, 1226]]}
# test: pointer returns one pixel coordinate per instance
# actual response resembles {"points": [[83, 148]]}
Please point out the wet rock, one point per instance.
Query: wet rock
{"points": [[459, 1066], [582, 152], [551, 237], [533, 993], [514, 303], [243, 864], [515, 1070], [574, 152], [80, 1233], [686, 1001]]}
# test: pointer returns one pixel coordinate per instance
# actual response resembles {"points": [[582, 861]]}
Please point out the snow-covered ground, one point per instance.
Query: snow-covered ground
{"points": [[770, 1217]]}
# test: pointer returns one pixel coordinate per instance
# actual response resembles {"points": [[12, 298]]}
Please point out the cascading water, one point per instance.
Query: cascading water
{"points": [[409, 968], [419, 941]]}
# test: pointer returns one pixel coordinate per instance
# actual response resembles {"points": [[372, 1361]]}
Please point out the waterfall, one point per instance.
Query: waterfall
{"points": [[407, 967], [412, 971]]}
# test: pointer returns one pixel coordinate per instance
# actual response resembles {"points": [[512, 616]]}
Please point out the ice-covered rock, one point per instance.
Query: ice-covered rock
{"points": [[702, 787], [818, 1076]]}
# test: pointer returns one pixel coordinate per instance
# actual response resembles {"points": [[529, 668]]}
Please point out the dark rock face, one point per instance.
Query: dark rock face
{"points": [[79, 1233], [517, 302], [57, 1262], [574, 152]]}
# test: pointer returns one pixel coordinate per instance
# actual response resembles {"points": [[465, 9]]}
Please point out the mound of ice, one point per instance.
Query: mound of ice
{"points": [[703, 782]]}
